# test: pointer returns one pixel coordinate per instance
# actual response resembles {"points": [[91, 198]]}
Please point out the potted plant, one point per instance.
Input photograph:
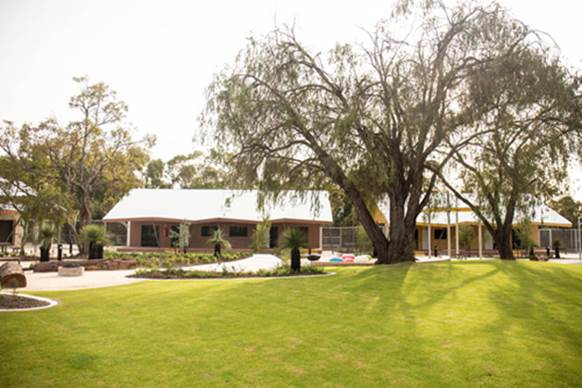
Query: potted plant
{"points": [[47, 234], [95, 238], [556, 246], [218, 242], [294, 239]]}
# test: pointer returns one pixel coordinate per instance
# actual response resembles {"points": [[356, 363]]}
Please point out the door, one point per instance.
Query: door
{"points": [[6, 228], [273, 236], [150, 236]]}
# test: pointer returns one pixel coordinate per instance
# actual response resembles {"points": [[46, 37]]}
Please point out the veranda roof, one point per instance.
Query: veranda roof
{"points": [[540, 215], [192, 205]]}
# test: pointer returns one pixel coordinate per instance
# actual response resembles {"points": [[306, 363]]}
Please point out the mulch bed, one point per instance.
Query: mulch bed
{"points": [[15, 302]]}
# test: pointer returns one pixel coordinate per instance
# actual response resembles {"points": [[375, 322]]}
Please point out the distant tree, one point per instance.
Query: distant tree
{"points": [[194, 171], [530, 115], [370, 119], [568, 207], [94, 159], [35, 198], [154, 175], [466, 238], [260, 236]]}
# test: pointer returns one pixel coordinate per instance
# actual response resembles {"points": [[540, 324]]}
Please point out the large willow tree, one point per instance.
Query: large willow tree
{"points": [[369, 118]]}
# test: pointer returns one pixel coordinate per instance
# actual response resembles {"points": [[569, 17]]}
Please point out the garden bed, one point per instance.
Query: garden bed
{"points": [[284, 271], [11, 302]]}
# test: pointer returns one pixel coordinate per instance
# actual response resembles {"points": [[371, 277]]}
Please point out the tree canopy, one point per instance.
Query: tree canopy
{"points": [[378, 120]]}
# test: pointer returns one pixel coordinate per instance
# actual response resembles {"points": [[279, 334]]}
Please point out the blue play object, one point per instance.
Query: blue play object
{"points": [[335, 260]]}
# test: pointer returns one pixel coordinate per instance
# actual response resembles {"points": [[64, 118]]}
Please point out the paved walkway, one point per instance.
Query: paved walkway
{"points": [[251, 264], [51, 281]]}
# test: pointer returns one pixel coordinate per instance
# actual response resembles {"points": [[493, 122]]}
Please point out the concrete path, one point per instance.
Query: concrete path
{"points": [[566, 261], [252, 264], [51, 281], [431, 259]]}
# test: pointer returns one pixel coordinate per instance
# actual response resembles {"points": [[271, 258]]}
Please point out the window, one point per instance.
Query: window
{"points": [[238, 231], [207, 230], [150, 235], [305, 231], [440, 234], [6, 229]]}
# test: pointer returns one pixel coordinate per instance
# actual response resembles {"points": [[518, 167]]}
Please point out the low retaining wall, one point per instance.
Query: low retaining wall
{"points": [[90, 265]]}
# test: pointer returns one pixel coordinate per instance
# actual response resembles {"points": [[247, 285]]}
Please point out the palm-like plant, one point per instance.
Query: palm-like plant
{"points": [[260, 236], [95, 237], [218, 241], [46, 235], [294, 239]]}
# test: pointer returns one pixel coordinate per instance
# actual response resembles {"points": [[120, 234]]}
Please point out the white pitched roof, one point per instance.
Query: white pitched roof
{"points": [[541, 215], [197, 205]]}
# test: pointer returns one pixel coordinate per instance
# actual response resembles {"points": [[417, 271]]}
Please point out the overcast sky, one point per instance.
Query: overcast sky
{"points": [[160, 55]]}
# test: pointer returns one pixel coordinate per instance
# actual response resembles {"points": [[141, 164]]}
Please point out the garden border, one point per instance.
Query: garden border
{"points": [[243, 277], [52, 303]]}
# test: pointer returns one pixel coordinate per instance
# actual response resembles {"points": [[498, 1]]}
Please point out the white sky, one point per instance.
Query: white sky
{"points": [[161, 55]]}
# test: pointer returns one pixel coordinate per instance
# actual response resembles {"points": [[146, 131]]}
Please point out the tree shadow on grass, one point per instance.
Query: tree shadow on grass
{"points": [[540, 304]]}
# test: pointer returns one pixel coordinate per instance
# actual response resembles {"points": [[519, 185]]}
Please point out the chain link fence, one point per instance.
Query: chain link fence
{"points": [[335, 238], [569, 239]]}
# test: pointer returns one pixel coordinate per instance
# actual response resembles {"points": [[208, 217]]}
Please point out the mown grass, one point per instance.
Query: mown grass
{"points": [[441, 324]]}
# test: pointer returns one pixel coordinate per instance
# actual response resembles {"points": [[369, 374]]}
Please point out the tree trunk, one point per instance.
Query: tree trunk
{"points": [[295, 260], [85, 218], [25, 226], [503, 243]]}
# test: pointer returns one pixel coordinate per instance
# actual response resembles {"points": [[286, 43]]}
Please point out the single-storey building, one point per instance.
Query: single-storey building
{"points": [[149, 215], [10, 229], [438, 229]]}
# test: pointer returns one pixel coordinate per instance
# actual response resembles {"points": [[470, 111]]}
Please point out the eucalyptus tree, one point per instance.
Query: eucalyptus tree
{"points": [[369, 118], [530, 121], [35, 198], [93, 160]]}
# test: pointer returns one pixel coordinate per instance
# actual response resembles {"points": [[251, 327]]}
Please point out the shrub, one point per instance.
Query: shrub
{"points": [[294, 239], [178, 273], [363, 242], [260, 236], [94, 234]]}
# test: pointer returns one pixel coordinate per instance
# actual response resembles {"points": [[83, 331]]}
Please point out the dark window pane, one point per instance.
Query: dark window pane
{"points": [[150, 235], [440, 234], [6, 231], [238, 231], [207, 230]]}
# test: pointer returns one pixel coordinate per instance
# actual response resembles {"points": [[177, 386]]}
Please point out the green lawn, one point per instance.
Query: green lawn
{"points": [[477, 323]]}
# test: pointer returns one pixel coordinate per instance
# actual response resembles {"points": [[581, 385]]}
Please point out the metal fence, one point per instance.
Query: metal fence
{"points": [[569, 239], [338, 238]]}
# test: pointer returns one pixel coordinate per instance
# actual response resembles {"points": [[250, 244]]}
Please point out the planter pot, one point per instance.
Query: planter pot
{"points": [[95, 251], [44, 254], [71, 271]]}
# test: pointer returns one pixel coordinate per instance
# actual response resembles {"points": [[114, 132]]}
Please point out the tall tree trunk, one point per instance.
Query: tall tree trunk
{"points": [[25, 226], [85, 218], [503, 242]]}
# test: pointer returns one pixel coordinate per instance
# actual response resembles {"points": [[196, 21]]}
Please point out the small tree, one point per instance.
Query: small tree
{"points": [[556, 246], [260, 236], [363, 242], [184, 236], [466, 238], [94, 237], [47, 233], [294, 239], [218, 242], [525, 241]]}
